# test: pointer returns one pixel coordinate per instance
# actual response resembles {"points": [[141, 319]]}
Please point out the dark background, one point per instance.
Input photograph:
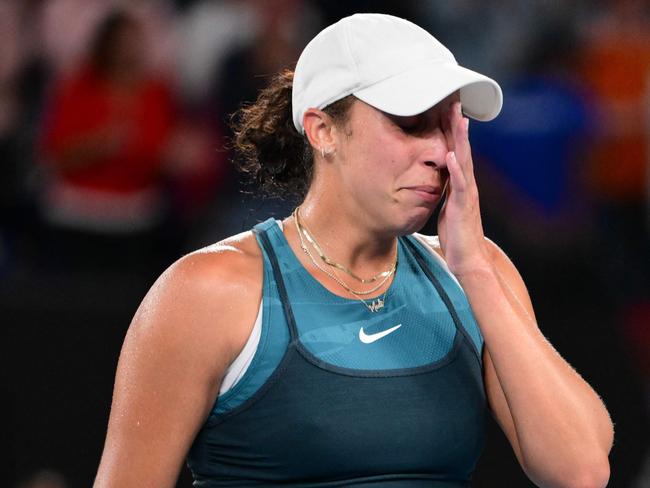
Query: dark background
{"points": [[563, 174]]}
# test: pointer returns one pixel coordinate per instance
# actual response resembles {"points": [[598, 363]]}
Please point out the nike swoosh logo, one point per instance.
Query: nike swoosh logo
{"points": [[370, 338]]}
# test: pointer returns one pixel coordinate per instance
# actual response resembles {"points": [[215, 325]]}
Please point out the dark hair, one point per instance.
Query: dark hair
{"points": [[278, 160], [108, 31]]}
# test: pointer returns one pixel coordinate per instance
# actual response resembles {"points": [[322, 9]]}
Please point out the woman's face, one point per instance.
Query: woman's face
{"points": [[393, 168]]}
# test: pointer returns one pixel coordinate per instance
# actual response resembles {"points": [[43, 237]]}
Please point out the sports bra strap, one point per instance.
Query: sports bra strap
{"points": [[443, 294], [282, 290]]}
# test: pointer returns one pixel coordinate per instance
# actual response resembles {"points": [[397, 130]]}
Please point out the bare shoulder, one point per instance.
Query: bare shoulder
{"points": [[233, 265], [191, 324], [207, 300]]}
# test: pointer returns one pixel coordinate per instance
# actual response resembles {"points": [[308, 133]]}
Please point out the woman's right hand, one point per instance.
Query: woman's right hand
{"points": [[459, 224]]}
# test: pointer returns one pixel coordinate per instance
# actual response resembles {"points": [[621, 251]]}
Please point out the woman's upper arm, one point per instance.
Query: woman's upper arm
{"points": [[186, 332], [516, 290]]}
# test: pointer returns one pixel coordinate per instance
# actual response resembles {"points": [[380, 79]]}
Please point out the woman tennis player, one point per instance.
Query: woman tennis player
{"points": [[339, 347]]}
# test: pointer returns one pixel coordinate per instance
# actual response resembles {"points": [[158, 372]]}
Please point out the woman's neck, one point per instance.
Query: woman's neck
{"points": [[343, 237]]}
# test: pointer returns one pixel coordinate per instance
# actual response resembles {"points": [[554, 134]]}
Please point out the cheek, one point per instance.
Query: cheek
{"points": [[380, 166], [379, 161], [384, 154]]}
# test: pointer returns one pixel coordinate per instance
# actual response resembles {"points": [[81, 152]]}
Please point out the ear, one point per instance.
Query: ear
{"points": [[319, 129]]}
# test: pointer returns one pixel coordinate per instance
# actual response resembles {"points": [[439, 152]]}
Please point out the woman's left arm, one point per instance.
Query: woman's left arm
{"points": [[556, 423]]}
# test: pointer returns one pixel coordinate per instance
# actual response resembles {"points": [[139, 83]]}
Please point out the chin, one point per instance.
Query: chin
{"points": [[415, 220]]}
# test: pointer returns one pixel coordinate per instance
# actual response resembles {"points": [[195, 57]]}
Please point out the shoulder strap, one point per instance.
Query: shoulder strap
{"points": [[261, 233], [441, 292]]}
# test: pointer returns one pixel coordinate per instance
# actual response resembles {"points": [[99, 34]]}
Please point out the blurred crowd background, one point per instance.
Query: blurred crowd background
{"points": [[114, 162]]}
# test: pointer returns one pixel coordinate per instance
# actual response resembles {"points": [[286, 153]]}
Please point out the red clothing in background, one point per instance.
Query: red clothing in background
{"points": [[86, 104], [105, 145], [616, 69]]}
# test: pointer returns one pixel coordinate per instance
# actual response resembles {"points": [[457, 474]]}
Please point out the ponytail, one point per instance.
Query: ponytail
{"points": [[278, 159]]}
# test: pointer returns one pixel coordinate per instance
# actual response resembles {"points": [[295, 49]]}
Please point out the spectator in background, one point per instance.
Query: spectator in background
{"points": [[209, 31], [65, 48], [104, 142], [615, 65], [284, 27], [10, 65], [280, 29], [21, 83]]}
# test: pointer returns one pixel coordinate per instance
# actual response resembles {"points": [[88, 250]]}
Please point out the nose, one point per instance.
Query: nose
{"points": [[434, 147]]}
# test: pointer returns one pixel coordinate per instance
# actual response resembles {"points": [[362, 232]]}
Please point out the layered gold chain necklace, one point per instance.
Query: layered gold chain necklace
{"points": [[376, 304]]}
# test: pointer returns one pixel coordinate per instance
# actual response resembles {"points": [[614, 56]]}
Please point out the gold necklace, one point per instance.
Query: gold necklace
{"points": [[330, 262], [328, 273], [376, 305], [300, 229]]}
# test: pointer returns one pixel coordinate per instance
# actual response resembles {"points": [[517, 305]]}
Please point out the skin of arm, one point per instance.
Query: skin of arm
{"points": [[557, 425], [191, 325]]}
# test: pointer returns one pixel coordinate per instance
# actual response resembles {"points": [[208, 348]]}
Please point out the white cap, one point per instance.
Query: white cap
{"points": [[389, 63]]}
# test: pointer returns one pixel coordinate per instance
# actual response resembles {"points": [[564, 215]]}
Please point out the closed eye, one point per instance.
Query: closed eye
{"points": [[412, 124], [417, 125]]}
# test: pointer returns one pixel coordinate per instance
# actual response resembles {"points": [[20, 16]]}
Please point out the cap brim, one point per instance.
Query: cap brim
{"points": [[419, 89]]}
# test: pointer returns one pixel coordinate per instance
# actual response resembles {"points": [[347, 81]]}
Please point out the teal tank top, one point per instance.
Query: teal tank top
{"points": [[338, 396]]}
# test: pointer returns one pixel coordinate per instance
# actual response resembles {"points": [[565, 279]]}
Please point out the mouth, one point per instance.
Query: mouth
{"points": [[426, 192]]}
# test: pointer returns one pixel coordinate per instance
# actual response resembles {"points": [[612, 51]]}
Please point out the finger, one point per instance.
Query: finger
{"points": [[463, 149], [469, 152], [446, 126], [445, 186], [461, 143], [457, 179], [458, 129], [454, 119]]}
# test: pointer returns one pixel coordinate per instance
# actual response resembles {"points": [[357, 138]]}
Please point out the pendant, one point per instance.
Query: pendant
{"points": [[376, 305]]}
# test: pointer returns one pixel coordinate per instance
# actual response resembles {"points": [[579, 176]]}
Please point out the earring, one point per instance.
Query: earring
{"points": [[326, 152]]}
